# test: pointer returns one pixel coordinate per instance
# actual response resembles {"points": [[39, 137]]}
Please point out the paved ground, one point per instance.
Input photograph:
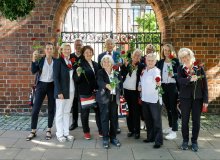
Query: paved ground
{"points": [[13, 145]]}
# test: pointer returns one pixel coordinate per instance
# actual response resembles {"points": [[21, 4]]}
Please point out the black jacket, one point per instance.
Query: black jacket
{"points": [[125, 71], [86, 83], [188, 89], [103, 94], [61, 78], [37, 67]]}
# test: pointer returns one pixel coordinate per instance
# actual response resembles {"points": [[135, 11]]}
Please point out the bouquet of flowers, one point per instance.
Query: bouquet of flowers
{"points": [[36, 44], [80, 71], [158, 87], [114, 81]]}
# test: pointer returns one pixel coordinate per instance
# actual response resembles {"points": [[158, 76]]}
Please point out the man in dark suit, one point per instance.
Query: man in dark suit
{"points": [[109, 45], [77, 55]]}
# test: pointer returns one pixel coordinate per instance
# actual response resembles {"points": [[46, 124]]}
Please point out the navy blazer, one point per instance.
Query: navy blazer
{"points": [[115, 57], [188, 89], [37, 67], [125, 71], [103, 94], [61, 78], [87, 85]]}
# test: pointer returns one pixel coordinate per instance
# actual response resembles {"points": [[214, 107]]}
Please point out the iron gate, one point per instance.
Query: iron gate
{"points": [[93, 21]]}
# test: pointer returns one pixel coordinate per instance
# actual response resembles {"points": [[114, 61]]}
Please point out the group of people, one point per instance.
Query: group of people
{"points": [[76, 81]]}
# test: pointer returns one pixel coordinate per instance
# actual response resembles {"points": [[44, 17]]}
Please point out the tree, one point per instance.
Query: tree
{"points": [[148, 25], [13, 9]]}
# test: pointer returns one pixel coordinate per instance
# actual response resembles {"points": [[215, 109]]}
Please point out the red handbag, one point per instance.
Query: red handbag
{"points": [[123, 108]]}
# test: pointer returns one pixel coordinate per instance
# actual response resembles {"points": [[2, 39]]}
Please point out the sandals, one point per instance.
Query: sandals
{"points": [[48, 135], [31, 136]]}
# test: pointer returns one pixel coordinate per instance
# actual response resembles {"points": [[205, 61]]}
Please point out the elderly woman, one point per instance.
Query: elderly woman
{"points": [[109, 88], [131, 72], [150, 48], [168, 66], [193, 95], [85, 78], [63, 92], [151, 101]]}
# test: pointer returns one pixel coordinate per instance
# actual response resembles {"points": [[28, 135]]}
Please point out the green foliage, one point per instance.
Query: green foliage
{"points": [[147, 24], [13, 9]]}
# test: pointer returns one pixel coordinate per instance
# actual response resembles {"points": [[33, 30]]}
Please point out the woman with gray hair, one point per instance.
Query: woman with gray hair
{"points": [[193, 95], [108, 94], [131, 71]]}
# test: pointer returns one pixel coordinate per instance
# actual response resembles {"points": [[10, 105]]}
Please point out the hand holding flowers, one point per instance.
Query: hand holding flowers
{"points": [[158, 86]]}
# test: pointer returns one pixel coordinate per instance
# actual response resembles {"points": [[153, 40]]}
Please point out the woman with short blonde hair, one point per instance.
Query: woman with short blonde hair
{"points": [[193, 95]]}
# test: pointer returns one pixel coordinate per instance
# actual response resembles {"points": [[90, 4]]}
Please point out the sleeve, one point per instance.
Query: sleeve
{"points": [[124, 72], [180, 77], [56, 75], [100, 80], [35, 67]]}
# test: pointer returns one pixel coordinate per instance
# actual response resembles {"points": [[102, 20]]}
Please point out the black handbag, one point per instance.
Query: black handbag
{"points": [[87, 101]]}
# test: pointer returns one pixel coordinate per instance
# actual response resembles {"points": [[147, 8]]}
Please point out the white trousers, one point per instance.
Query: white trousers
{"points": [[63, 107]]}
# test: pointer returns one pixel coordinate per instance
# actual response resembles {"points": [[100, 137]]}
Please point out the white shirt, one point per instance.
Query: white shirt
{"points": [[148, 86], [47, 72], [72, 86], [91, 65], [166, 78], [130, 81], [110, 76]]}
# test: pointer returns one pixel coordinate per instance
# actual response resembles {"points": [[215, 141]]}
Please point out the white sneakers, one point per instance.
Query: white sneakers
{"points": [[65, 138], [167, 130], [172, 135]]}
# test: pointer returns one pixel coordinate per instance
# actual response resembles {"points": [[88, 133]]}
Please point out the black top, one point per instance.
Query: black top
{"points": [[61, 78], [86, 82], [103, 94], [126, 70], [188, 89]]}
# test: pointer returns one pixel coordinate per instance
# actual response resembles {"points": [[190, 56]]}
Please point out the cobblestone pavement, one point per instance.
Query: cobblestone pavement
{"points": [[14, 129]]}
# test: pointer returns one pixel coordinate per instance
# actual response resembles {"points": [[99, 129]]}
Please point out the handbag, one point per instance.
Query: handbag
{"points": [[87, 101], [32, 96], [123, 108]]}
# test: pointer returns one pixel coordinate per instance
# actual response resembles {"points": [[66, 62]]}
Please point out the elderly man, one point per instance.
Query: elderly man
{"points": [[77, 55]]}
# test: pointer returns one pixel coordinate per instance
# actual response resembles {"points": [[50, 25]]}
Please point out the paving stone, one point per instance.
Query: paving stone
{"points": [[146, 153], [58, 154], [23, 144], [178, 154], [215, 133], [30, 154], [15, 134], [9, 153], [94, 154], [209, 154], [54, 144], [83, 143], [2, 131], [120, 153], [215, 142], [7, 142]]}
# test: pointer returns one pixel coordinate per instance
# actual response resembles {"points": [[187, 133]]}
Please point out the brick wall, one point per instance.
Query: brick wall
{"points": [[184, 23]]}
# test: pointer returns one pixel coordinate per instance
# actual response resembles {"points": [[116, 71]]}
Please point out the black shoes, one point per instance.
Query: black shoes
{"points": [[118, 130], [130, 134], [73, 126], [195, 147], [157, 145], [184, 146], [136, 136]]}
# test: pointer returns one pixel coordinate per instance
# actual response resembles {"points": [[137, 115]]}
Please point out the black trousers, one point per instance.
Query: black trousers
{"points": [[152, 118], [187, 106], [75, 110], [170, 100], [133, 119], [43, 89], [85, 119], [109, 112]]}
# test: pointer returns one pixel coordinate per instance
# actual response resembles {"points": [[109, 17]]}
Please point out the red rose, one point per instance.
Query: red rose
{"points": [[122, 52], [62, 55], [69, 66], [58, 30], [115, 67], [33, 39], [129, 37], [171, 56], [121, 43], [73, 60], [157, 79], [196, 63]]}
